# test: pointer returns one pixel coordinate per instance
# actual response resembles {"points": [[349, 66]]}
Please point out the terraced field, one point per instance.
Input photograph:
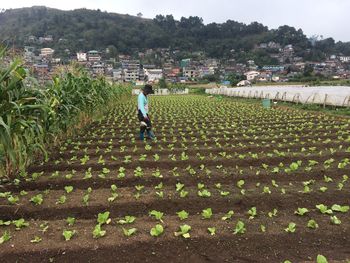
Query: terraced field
{"points": [[225, 181]]}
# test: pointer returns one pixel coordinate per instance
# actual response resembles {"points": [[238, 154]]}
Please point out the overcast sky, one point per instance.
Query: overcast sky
{"points": [[329, 18]]}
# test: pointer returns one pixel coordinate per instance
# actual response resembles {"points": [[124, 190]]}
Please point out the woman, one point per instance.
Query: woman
{"points": [[142, 106]]}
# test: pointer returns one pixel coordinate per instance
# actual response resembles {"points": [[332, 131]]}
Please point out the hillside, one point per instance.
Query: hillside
{"points": [[84, 29]]}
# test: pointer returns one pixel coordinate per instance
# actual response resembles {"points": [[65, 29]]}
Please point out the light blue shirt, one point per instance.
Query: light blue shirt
{"points": [[142, 104]]}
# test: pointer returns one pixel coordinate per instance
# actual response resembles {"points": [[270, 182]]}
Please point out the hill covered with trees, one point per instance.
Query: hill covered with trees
{"points": [[84, 29]]}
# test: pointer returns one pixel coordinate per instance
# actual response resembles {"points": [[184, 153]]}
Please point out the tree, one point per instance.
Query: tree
{"points": [[235, 78], [162, 83]]}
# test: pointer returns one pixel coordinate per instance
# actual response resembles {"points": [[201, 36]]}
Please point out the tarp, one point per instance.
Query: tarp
{"points": [[326, 95]]}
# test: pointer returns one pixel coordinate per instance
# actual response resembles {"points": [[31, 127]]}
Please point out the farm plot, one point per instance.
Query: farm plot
{"points": [[224, 182]]}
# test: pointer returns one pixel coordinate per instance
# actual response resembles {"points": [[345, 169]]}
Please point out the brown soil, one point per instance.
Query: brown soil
{"points": [[303, 131]]}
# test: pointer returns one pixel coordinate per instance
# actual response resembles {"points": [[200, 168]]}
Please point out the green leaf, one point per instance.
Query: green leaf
{"points": [[335, 220], [70, 221], [20, 223], [103, 218], [240, 184], [6, 236], [37, 199], [36, 239], [129, 232], [301, 211], [157, 230], [68, 234], [127, 220], [157, 215], [252, 212], [212, 230], [240, 228], [69, 189], [207, 213], [184, 231], [312, 224], [228, 215], [291, 227], [182, 215], [321, 259], [342, 209], [324, 209], [98, 232]]}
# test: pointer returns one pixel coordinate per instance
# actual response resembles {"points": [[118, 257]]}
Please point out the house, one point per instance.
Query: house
{"points": [[252, 75], [132, 70], [206, 71], [81, 56], [344, 59], [98, 69], [264, 77], [117, 74], [46, 52], [94, 56], [244, 83], [154, 75], [190, 73]]}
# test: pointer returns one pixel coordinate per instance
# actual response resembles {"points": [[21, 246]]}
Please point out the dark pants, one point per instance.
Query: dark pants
{"points": [[148, 122]]}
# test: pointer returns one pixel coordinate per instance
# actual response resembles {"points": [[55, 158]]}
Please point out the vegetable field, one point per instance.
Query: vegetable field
{"points": [[225, 181]]}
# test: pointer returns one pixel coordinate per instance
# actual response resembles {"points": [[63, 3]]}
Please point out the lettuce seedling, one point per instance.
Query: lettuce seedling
{"points": [[312, 224], [61, 200], [240, 184], [335, 220], [6, 236], [182, 215], [338, 208], [252, 213], [70, 221], [20, 223], [68, 189], [157, 215], [301, 211], [212, 231], [37, 199], [67, 234], [129, 232], [157, 230], [291, 228], [103, 218], [184, 231], [207, 213], [98, 232], [13, 199], [5, 223], [204, 193], [179, 187], [127, 220], [240, 228], [324, 209], [36, 239], [321, 259], [228, 215]]}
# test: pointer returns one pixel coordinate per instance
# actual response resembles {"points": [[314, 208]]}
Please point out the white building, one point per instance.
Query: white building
{"points": [[190, 73], [251, 75], [344, 59], [82, 57], [154, 75], [94, 56], [45, 52]]}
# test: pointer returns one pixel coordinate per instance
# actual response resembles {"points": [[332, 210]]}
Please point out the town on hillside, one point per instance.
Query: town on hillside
{"points": [[152, 65]]}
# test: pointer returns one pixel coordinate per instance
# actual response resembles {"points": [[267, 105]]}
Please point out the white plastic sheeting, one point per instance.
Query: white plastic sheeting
{"points": [[330, 95], [162, 92]]}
